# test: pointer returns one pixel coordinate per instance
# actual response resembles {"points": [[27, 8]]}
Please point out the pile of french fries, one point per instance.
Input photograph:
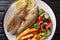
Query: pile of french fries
{"points": [[30, 34]]}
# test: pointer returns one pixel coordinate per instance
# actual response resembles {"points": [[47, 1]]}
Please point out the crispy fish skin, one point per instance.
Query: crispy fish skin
{"points": [[30, 19], [16, 20]]}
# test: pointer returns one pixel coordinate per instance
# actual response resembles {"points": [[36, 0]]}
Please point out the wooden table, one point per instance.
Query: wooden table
{"points": [[54, 4]]}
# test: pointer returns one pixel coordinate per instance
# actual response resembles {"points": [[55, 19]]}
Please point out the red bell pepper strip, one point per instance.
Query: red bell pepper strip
{"points": [[49, 24]]}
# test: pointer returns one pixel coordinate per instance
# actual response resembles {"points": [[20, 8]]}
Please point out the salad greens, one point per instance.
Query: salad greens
{"points": [[41, 11], [36, 25], [45, 33]]}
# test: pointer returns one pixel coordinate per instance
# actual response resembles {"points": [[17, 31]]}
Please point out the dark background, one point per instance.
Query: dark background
{"points": [[54, 4]]}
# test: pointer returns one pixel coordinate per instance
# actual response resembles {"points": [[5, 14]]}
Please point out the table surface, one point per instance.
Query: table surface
{"points": [[54, 4]]}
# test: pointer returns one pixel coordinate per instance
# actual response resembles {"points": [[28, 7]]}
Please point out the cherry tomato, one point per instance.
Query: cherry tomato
{"points": [[49, 24], [40, 20]]}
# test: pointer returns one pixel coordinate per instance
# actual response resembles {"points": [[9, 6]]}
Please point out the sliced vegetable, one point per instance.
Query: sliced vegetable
{"points": [[43, 26], [42, 34], [46, 16], [48, 32], [39, 31], [41, 11], [40, 20], [43, 18], [49, 24], [45, 33], [36, 25]]}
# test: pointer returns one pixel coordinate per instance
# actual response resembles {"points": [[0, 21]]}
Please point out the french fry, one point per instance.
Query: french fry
{"points": [[34, 36], [28, 39], [27, 31], [39, 36], [31, 30], [42, 38], [22, 34], [27, 36], [34, 39]]}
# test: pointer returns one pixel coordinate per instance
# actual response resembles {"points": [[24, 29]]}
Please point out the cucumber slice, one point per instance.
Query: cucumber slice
{"points": [[46, 16], [43, 18], [46, 33]]}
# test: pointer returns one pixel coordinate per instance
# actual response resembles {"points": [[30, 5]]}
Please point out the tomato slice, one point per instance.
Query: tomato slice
{"points": [[49, 24], [40, 20], [39, 31]]}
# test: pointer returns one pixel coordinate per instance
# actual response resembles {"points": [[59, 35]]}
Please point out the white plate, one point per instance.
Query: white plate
{"points": [[41, 4]]}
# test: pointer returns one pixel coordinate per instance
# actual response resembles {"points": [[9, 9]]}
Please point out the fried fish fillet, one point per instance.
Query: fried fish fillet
{"points": [[29, 19], [15, 21]]}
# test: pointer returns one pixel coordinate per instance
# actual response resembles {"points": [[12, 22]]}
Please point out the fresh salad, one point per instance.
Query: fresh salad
{"points": [[43, 23]]}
